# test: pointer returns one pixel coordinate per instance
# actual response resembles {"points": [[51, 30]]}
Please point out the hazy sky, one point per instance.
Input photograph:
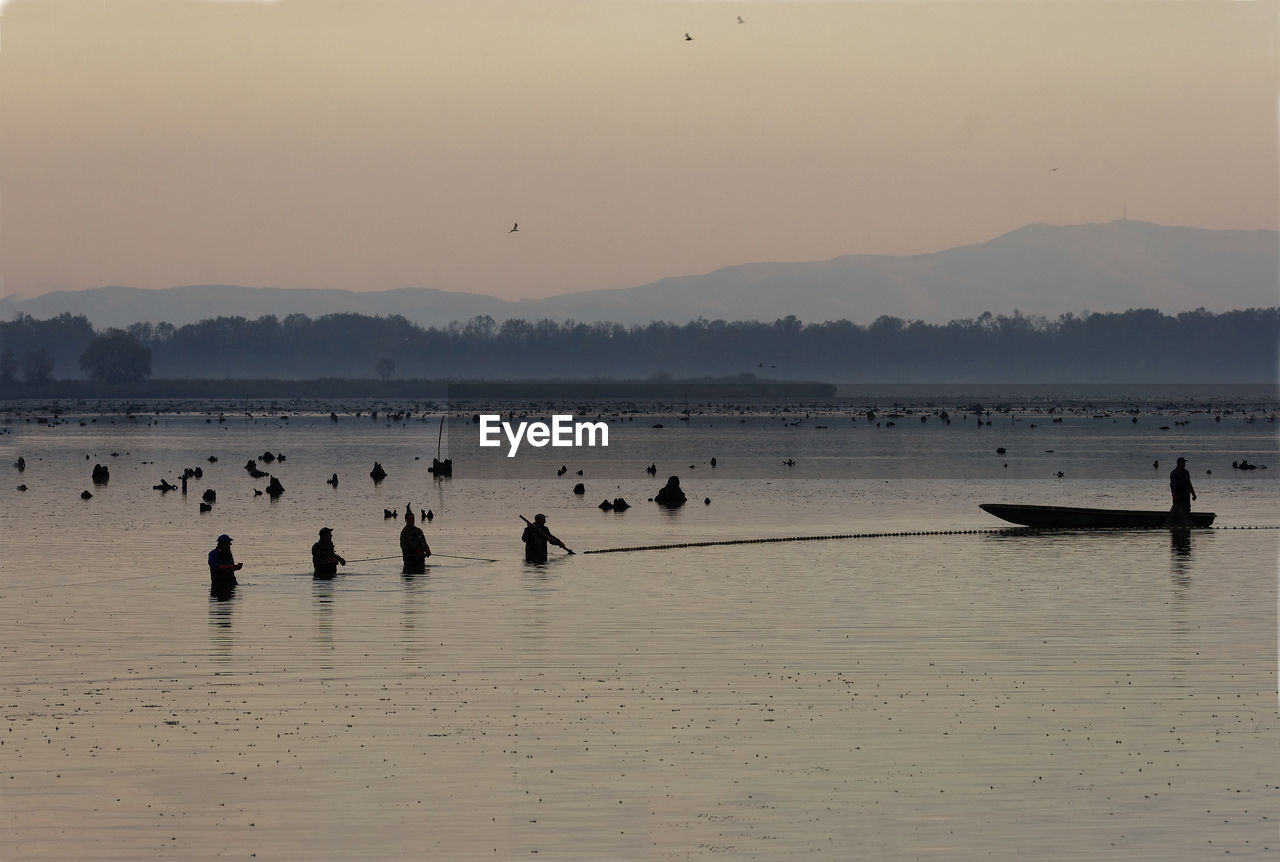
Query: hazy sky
{"points": [[375, 144]]}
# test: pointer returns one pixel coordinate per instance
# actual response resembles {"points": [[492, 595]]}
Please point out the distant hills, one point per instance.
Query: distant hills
{"points": [[1038, 270]]}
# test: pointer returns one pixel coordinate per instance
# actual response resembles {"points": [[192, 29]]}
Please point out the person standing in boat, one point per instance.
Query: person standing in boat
{"points": [[223, 567], [536, 537], [323, 555], [1183, 493], [413, 546]]}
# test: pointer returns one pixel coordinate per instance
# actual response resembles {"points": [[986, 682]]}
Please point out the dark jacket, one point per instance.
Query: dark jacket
{"points": [[220, 573], [535, 543], [324, 557]]}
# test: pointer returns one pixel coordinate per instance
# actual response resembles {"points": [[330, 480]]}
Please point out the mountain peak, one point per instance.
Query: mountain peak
{"points": [[1038, 269]]}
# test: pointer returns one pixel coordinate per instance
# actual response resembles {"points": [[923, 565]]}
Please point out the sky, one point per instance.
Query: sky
{"points": [[380, 144]]}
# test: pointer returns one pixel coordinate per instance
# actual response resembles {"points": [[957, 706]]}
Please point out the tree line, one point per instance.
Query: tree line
{"points": [[1137, 346]]}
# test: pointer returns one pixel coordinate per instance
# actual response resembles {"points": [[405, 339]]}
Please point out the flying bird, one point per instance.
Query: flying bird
{"points": [[740, 21], [688, 38], [515, 228]]}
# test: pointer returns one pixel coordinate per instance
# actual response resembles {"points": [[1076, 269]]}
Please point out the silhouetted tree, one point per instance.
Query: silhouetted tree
{"points": [[1132, 346], [37, 366], [115, 356]]}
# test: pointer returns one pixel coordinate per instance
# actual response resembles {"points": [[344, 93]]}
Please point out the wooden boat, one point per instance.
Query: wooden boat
{"points": [[1072, 517]]}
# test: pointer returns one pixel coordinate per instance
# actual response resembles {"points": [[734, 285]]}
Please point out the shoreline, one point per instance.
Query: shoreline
{"points": [[678, 402]]}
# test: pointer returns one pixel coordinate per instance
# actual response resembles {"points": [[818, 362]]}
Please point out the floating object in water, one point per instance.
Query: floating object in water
{"points": [[1074, 517], [209, 495], [670, 495], [332, 480], [579, 488], [274, 488], [377, 474], [441, 469], [85, 495]]}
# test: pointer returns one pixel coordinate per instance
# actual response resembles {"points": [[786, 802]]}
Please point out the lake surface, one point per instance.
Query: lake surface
{"points": [[943, 686]]}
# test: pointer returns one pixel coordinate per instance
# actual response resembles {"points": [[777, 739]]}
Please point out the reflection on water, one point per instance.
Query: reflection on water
{"points": [[221, 638], [322, 593], [1180, 546]]}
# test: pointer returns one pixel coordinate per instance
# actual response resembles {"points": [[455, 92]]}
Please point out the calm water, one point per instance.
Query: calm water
{"points": [[946, 690]]}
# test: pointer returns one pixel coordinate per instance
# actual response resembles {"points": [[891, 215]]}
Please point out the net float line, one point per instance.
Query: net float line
{"points": [[789, 539], [889, 535]]}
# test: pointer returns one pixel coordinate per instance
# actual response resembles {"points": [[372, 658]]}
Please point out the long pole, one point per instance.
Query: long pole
{"points": [[530, 523]]}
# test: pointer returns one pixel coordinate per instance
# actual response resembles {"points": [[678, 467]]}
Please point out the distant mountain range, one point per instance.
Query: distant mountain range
{"points": [[1037, 270]]}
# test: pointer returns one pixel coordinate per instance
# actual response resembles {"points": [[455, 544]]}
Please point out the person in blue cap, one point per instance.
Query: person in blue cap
{"points": [[223, 566]]}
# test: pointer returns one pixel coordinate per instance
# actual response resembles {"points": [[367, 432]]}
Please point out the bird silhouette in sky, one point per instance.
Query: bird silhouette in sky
{"points": [[740, 21], [515, 228], [688, 38], [1052, 170]]}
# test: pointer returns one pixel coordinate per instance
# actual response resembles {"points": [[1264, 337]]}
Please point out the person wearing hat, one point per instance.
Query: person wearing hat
{"points": [[1183, 493], [536, 536], [413, 546], [324, 557], [223, 567]]}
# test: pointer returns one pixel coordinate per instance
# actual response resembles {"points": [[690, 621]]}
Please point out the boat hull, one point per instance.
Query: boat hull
{"points": [[1072, 517]]}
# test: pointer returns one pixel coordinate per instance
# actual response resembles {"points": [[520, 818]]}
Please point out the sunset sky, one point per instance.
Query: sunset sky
{"points": [[377, 144]]}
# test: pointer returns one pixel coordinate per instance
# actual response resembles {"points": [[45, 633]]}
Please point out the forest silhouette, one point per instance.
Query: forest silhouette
{"points": [[1136, 346]]}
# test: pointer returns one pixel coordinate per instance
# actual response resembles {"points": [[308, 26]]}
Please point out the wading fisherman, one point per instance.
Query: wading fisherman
{"points": [[413, 546], [536, 536], [223, 567], [1183, 493], [323, 555]]}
